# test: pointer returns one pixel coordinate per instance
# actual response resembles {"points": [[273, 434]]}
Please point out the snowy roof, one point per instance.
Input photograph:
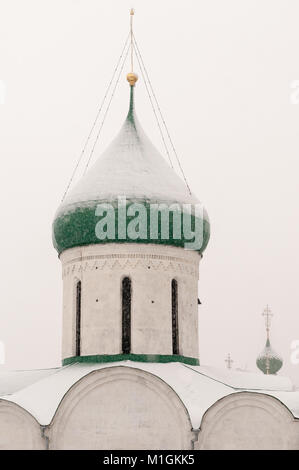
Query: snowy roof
{"points": [[246, 380], [199, 387], [13, 380], [131, 170], [131, 166]]}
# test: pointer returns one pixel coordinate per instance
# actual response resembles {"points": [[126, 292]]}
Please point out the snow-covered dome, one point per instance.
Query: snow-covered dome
{"points": [[132, 167], [268, 361]]}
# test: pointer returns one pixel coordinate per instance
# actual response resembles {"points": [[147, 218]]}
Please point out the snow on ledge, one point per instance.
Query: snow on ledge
{"points": [[243, 380]]}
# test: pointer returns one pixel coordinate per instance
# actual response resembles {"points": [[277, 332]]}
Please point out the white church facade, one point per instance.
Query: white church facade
{"points": [[131, 376]]}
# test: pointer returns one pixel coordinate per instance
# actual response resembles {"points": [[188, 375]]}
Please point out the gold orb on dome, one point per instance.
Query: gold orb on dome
{"points": [[132, 78]]}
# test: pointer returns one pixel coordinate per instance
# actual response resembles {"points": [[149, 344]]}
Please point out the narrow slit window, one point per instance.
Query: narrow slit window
{"points": [[174, 311], [126, 315], [78, 318]]}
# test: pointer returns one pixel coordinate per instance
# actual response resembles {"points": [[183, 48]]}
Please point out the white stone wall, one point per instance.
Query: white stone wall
{"points": [[151, 268], [120, 408]]}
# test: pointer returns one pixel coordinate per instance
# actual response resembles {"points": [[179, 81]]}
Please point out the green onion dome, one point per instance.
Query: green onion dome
{"points": [[269, 362], [131, 170]]}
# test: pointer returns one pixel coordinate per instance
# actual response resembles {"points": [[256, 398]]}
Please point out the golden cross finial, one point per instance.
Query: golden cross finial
{"points": [[132, 77], [268, 315], [131, 33]]}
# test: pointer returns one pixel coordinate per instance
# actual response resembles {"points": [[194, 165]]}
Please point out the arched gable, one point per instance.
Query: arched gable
{"points": [[248, 420], [120, 408]]}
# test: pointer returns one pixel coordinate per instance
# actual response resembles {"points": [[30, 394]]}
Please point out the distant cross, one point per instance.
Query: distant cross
{"points": [[229, 361], [268, 315]]}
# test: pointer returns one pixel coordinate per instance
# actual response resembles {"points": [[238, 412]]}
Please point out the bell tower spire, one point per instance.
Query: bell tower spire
{"points": [[129, 284]]}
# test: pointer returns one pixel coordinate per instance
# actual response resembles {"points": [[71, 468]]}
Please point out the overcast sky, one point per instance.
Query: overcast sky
{"points": [[223, 72]]}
